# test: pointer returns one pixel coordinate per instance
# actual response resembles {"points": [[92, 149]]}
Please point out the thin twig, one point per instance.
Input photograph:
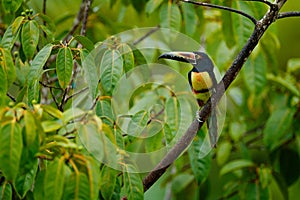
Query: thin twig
{"points": [[288, 14], [222, 8], [11, 97], [85, 17], [78, 92], [146, 35]]}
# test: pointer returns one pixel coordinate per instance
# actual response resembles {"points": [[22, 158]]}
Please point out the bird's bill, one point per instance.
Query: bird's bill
{"points": [[188, 57]]}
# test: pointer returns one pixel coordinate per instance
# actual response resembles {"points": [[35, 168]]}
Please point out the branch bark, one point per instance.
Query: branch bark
{"points": [[260, 27]]}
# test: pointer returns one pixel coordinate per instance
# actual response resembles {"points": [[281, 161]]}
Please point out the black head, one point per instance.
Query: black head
{"points": [[199, 60]]}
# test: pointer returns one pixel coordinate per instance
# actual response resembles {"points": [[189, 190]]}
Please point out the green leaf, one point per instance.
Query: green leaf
{"points": [[293, 65], [3, 85], [35, 72], [255, 73], [11, 6], [181, 181], [76, 187], [10, 149], [91, 138], [277, 127], [72, 114], [127, 55], [7, 63], [49, 22], [289, 163], [200, 165], [284, 83], [227, 26], [30, 38], [26, 178], [90, 71], [242, 26], [281, 184], [139, 58], [5, 191], [50, 126], [16, 24], [223, 152], [86, 42], [111, 70], [152, 5], [54, 112], [64, 66], [54, 179], [173, 113], [105, 112], [254, 191], [138, 123], [93, 174], [190, 18], [107, 180], [8, 39], [170, 16], [133, 184], [236, 165]]}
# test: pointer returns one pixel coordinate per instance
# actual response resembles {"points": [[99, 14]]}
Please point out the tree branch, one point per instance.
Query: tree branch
{"points": [[288, 14], [222, 8], [260, 28]]}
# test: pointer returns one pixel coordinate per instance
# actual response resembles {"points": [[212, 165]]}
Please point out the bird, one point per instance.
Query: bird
{"points": [[202, 81]]}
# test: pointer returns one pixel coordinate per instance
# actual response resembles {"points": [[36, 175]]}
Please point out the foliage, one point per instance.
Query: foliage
{"points": [[61, 139]]}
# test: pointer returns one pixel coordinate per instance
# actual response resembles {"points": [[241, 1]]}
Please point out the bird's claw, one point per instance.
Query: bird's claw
{"points": [[198, 117]]}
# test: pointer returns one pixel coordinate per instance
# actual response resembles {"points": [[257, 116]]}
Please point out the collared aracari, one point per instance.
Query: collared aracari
{"points": [[202, 81]]}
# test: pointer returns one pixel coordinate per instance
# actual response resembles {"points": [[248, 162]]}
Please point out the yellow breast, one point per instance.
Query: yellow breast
{"points": [[201, 80]]}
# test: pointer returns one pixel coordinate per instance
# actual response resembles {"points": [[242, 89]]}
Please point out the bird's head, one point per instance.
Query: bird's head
{"points": [[199, 60]]}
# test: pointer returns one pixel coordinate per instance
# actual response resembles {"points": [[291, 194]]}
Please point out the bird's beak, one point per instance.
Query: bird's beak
{"points": [[188, 57]]}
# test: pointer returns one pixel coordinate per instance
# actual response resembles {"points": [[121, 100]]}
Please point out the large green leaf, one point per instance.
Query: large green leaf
{"points": [[242, 26], [10, 149], [7, 63], [3, 85], [227, 26], [289, 165], [105, 112], [35, 72], [254, 191], [223, 152], [111, 70], [93, 174], [138, 123], [26, 177], [255, 73], [200, 165], [77, 187], [17, 23], [172, 108], [30, 37], [236, 165], [181, 181], [133, 184], [91, 138], [8, 38], [54, 179], [170, 16], [5, 191], [107, 182], [190, 19], [64, 66], [127, 55], [11, 6], [90, 71], [85, 42], [277, 127], [152, 5]]}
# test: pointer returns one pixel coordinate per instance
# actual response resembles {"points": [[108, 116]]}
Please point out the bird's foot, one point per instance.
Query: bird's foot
{"points": [[198, 117]]}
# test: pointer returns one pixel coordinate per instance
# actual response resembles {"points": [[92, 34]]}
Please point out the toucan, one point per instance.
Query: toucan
{"points": [[202, 81]]}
